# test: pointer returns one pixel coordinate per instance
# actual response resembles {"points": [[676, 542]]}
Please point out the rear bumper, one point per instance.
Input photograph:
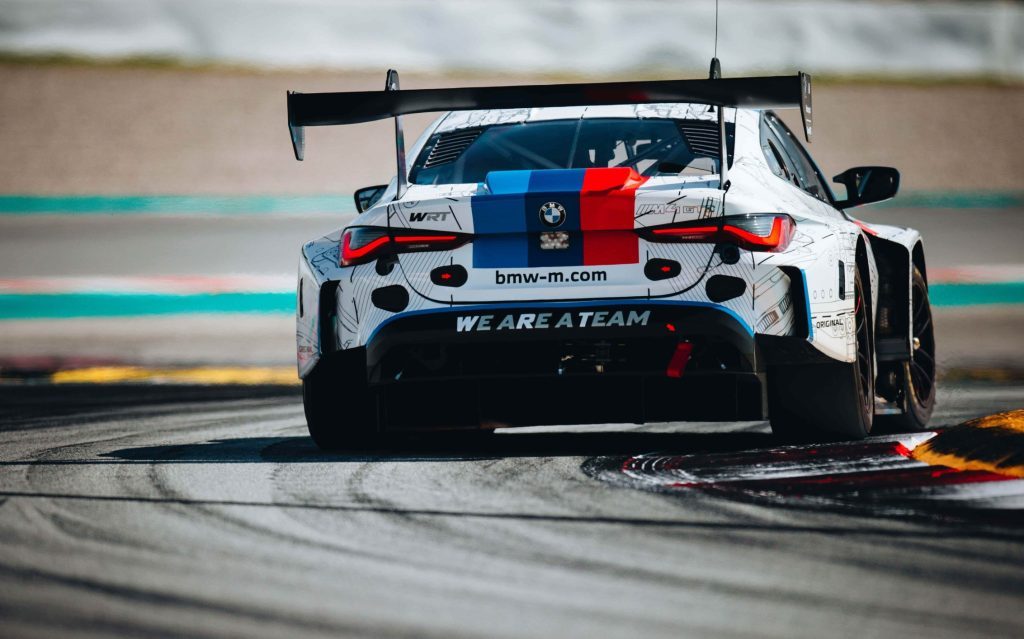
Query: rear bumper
{"points": [[561, 364], [578, 400]]}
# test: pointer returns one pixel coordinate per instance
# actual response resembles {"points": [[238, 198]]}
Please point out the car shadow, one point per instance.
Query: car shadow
{"points": [[439, 446]]}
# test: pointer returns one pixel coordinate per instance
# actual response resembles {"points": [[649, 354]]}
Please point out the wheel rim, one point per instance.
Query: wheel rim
{"points": [[922, 363], [863, 351]]}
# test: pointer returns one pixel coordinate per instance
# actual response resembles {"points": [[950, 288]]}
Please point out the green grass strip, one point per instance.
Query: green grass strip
{"points": [[68, 305], [955, 200], [976, 293], [335, 204]]}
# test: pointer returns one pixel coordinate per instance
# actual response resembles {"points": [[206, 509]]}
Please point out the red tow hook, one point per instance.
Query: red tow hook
{"points": [[677, 365]]}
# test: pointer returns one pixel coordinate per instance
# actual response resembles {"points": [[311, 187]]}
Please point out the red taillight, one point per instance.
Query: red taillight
{"points": [[361, 244], [756, 232]]}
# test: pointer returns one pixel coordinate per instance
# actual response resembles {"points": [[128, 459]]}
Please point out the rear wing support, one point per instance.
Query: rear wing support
{"points": [[715, 73], [402, 174]]}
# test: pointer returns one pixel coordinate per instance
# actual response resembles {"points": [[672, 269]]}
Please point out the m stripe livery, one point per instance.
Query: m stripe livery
{"points": [[599, 207]]}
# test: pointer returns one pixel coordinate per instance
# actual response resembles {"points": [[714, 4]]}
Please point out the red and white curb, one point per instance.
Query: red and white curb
{"points": [[878, 474]]}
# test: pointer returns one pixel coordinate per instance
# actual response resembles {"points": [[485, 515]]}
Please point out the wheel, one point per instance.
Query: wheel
{"points": [[341, 411], [916, 376], [832, 400]]}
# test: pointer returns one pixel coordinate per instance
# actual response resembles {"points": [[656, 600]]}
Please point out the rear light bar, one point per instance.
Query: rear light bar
{"points": [[771, 232], [360, 244]]}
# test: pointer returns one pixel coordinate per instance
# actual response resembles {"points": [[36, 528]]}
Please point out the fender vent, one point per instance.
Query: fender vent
{"points": [[449, 146]]}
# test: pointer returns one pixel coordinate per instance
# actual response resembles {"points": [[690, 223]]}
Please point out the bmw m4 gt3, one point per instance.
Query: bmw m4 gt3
{"points": [[614, 252]]}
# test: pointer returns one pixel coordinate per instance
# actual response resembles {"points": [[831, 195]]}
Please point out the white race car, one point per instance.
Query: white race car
{"points": [[613, 252]]}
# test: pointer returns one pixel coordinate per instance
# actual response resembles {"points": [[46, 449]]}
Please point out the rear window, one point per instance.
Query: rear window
{"points": [[650, 146]]}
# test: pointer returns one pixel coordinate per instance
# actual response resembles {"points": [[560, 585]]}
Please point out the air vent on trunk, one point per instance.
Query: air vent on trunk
{"points": [[702, 137], [449, 146]]}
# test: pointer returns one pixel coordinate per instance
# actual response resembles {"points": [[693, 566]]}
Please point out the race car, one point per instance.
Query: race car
{"points": [[609, 253]]}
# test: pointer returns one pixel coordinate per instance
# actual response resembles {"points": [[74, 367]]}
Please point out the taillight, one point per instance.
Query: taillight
{"points": [[770, 232], [361, 244]]}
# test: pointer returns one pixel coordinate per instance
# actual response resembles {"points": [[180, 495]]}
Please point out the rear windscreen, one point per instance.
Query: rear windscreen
{"points": [[650, 146]]}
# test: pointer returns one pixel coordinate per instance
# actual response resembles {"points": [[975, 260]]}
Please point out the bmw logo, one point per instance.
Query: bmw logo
{"points": [[552, 214]]}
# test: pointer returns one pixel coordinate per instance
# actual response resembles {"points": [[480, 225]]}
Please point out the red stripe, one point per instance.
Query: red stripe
{"points": [[607, 203]]}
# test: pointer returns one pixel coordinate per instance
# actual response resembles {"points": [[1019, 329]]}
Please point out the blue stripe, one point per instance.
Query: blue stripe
{"points": [[508, 182], [495, 214], [501, 251], [500, 231], [807, 307], [557, 181]]}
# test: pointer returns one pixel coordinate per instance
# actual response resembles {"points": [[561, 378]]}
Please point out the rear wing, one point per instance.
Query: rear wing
{"points": [[327, 109]]}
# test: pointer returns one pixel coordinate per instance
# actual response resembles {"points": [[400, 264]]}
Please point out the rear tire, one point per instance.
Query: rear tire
{"points": [[916, 381], [341, 411], [835, 399]]}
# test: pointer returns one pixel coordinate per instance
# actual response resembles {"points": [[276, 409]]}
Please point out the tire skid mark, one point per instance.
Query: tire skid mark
{"points": [[181, 601], [222, 515], [525, 545], [154, 458], [58, 511]]}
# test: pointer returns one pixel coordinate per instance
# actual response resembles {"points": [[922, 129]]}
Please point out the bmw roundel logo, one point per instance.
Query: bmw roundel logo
{"points": [[552, 214]]}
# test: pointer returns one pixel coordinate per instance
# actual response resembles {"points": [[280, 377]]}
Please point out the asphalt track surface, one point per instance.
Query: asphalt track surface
{"points": [[168, 511]]}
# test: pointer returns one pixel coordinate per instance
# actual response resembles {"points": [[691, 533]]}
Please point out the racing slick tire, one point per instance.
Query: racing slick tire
{"points": [[915, 381], [341, 412], [831, 400]]}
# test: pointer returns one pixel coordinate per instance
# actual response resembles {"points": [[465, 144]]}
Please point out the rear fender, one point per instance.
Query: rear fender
{"points": [[897, 250], [824, 253], [319, 273]]}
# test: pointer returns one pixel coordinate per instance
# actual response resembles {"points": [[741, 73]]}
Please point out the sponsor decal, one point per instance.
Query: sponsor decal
{"points": [[429, 216], [554, 241], [552, 277], [552, 214], [660, 209], [547, 321]]}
